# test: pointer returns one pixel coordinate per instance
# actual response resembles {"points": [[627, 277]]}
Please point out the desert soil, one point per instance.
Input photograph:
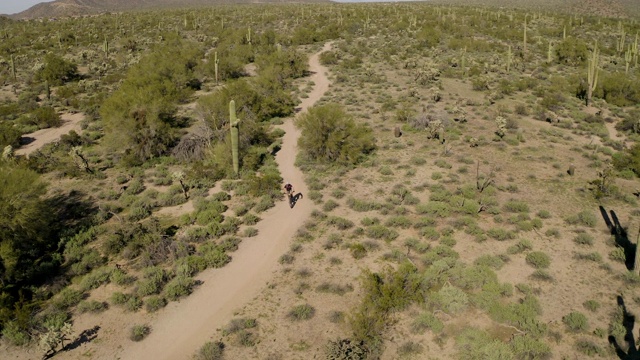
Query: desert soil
{"points": [[45, 136]]}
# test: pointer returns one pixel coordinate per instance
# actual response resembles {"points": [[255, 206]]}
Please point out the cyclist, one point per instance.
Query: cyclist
{"points": [[288, 188]]}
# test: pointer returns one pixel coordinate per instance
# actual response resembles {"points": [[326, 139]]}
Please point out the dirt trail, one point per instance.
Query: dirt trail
{"points": [[182, 328], [45, 136]]}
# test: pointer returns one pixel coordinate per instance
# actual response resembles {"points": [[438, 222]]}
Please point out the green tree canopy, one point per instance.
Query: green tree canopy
{"points": [[25, 223], [57, 70], [139, 116], [329, 134]]}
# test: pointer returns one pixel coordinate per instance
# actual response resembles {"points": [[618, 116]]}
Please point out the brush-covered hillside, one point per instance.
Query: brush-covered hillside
{"points": [[465, 184]]}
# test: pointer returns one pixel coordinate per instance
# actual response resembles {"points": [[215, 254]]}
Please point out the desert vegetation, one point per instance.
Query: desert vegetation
{"points": [[473, 173]]}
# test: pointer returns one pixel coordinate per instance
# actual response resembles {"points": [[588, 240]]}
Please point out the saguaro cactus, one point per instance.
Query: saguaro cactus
{"points": [[233, 124], [509, 59], [592, 73], [105, 46], [13, 68], [524, 39], [47, 90], [216, 61], [620, 43]]}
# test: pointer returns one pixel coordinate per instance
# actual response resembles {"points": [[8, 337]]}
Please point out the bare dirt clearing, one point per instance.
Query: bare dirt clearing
{"points": [[45, 136]]}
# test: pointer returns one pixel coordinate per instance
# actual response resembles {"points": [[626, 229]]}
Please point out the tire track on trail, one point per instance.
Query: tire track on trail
{"points": [[183, 327]]}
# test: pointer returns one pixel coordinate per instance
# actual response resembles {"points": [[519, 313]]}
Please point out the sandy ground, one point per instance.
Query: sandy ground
{"points": [[183, 327], [45, 136]]}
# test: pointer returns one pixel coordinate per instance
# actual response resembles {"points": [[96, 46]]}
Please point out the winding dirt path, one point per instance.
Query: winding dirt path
{"points": [[182, 328], [45, 136]]}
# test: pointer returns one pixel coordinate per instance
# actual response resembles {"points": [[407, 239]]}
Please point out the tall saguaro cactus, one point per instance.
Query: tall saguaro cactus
{"points": [[592, 73], [233, 124], [216, 61], [13, 68], [524, 38]]}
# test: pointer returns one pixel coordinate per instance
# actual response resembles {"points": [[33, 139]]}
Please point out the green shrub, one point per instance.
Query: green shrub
{"points": [[286, 259], [522, 246], [96, 278], [237, 325], [56, 70], [15, 334], [592, 256], [426, 321], [538, 260], [544, 214], [589, 348], [571, 51], [542, 275], [529, 347], [429, 232], [340, 223], [329, 205], [301, 312], [190, 265], [362, 205], [500, 234], [155, 303], [250, 219], [492, 261], [516, 206], [337, 289], [576, 321], [591, 305], [437, 208], [92, 306], [210, 351], [250, 232], [67, 298], [347, 349], [584, 239], [336, 317], [618, 255], [585, 218], [152, 282], [410, 348], [358, 251], [45, 117], [381, 232], [474, 343], [139, 332], [324, 130], [133, 303], [452, 300], [265, 203], [178, 287]]}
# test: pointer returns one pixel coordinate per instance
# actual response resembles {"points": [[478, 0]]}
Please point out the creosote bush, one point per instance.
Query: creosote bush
{"points": [[301, 312], [538, 259], [139, 332]]}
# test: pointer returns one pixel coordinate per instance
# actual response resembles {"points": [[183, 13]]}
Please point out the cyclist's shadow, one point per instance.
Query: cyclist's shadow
{"points": [[293, 199]]}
